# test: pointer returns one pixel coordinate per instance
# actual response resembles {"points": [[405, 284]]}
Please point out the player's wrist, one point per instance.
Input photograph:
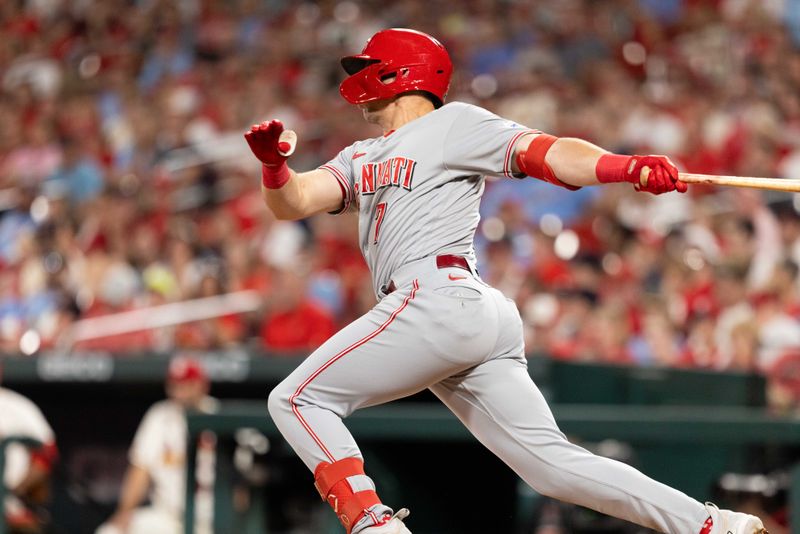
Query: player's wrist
{"points": [[612, 168], [275, 176]]}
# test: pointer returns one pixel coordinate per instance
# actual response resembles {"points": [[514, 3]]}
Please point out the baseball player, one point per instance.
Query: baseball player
{"points": [[416, 189], [28, 471], [158, 460]]}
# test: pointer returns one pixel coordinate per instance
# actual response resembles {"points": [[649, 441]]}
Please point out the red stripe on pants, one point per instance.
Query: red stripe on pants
{"points": [[337, 357]]}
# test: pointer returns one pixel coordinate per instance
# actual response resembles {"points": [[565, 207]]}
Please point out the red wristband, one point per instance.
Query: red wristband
{"points": [[275, 176], [612, 168]]}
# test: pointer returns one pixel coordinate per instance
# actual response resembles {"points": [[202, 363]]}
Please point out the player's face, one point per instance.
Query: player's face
{"points": [[187, 393]]}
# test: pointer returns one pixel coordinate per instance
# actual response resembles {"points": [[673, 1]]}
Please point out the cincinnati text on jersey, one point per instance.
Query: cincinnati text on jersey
{"points": [[397, 171]]}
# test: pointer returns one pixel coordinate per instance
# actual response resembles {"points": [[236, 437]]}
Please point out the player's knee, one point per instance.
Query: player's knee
{"points": [[285, 398], [279, 401]]}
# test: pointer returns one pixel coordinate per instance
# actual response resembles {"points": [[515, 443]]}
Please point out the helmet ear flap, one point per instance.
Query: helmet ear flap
{"points": [[393, 75]]}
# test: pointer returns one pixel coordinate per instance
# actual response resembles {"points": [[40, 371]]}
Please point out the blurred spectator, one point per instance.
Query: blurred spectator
{"points": [[38, 158], [730, 292], [158, 461], [293, 322], [17, 226], [214, 333], [78, 175], [778, 332], [744, 343], [658, 342], [27, 469]]}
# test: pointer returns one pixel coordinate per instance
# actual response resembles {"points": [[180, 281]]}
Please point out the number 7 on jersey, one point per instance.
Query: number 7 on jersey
{"points": [[380, 211]]}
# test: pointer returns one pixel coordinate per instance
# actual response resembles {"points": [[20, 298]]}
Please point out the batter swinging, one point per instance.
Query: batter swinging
{"points": [[437, 325]]}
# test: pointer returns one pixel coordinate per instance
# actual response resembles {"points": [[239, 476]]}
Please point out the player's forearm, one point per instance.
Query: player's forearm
{"points": [[574, 161], [134, 489], [280, 187], [289, 195], [564, 161], [287, 201]]}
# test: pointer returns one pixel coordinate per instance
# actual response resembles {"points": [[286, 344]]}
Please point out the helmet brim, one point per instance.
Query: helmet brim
{"points": [[353, 64]]}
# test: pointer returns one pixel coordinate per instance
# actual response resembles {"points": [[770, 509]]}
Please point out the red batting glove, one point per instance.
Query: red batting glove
{"points": [[264, 142], [654, 174]]}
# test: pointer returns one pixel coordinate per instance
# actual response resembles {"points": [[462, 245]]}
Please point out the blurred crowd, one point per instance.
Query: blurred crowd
{"points": [[125, 183]]}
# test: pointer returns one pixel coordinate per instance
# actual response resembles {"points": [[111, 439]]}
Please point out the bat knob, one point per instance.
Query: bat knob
{"points": [[287, 142], [644, 177]]}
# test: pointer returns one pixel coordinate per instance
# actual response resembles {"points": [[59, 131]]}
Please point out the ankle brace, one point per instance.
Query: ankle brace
{"points": [[350, 492]]}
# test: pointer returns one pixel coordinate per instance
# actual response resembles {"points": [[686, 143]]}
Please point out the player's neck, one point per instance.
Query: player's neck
{"points": [[403, 110]]}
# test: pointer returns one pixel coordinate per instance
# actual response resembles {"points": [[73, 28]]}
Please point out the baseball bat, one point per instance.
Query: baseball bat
{"points": [[774, 184]]}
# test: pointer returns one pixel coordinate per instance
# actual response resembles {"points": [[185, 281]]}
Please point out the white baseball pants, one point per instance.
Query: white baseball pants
{"points": [[446, 330]]}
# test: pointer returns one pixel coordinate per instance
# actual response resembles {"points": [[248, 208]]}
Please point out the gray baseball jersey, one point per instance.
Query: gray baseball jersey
{"points": [[417, 189]]}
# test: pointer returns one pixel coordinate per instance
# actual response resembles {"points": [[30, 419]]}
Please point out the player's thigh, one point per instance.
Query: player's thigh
{"points": [[500, 395], [392, 351]]}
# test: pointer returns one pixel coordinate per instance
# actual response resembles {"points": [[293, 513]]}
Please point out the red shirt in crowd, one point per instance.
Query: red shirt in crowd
{"points": [[303, 328]]}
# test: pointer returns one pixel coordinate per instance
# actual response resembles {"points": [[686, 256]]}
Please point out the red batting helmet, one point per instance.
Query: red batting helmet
{"points": [[396, 61]]}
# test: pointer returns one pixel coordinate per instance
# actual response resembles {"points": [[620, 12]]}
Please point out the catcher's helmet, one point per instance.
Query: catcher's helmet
{"points": [[396, 61]]}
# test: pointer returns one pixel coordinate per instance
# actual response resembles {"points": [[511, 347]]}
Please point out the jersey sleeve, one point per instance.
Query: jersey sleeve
{"points": [[31, 421], [146, 446], [480, 142], [341, 168]]}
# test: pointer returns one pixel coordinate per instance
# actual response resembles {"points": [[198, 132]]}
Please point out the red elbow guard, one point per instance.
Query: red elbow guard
{"points": [[533, 164]]}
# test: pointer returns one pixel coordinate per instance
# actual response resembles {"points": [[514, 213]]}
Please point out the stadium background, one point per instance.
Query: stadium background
{"points": [[125, 184]]}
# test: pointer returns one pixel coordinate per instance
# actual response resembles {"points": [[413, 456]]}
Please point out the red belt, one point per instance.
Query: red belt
{"points": [[442, 262]]}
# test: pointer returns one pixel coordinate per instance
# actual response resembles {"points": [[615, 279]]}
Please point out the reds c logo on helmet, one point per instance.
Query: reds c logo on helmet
{"points": [[396, 61]]}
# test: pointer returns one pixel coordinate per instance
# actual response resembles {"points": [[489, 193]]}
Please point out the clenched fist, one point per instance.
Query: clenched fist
{"points": [[272, 145], [654, 174]]}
